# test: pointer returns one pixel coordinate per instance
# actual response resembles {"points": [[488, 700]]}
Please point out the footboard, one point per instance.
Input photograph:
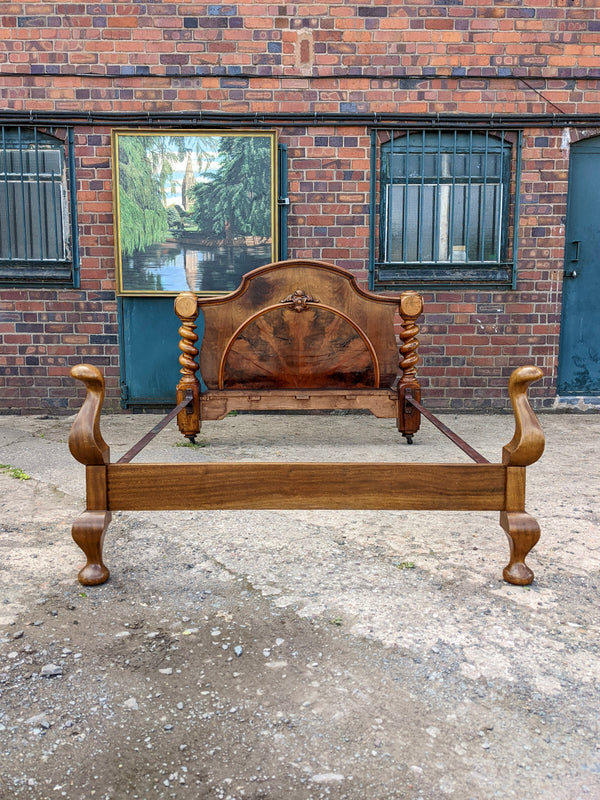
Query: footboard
{"points": [[387, 486]]}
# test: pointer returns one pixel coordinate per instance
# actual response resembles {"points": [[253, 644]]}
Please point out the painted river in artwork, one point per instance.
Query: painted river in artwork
{"points": [[177, 267]]}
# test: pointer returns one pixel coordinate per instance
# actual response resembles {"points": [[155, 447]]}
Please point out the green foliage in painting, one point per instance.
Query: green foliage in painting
{"points": [[236, 198], [175, 218], [144, 171]]}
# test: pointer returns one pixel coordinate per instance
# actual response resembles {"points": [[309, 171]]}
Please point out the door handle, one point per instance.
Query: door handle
{"points": [[570, 273], [575, 258]]}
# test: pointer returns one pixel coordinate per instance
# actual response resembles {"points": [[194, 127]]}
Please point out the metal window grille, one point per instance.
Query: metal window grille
{"points": [[35, 214], [444, 206]]}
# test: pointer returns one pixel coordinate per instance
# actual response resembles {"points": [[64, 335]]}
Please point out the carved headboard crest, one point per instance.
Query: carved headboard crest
{"points": [[298, 300]]}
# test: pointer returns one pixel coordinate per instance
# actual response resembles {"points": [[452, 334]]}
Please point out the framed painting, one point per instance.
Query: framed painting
{"points": [[194, 210]]}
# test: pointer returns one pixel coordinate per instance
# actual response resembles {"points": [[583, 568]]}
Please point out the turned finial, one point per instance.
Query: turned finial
{"points": [[85, 440], [527, 445]]}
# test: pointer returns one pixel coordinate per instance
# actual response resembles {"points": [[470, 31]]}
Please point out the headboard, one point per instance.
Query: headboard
{"points": [[297, 334]]}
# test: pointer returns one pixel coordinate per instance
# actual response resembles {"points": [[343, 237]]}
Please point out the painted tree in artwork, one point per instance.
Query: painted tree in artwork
{"points": [[145, 167], [236, 201]]}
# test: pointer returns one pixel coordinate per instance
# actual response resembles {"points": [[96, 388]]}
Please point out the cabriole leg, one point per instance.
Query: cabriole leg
{"points": [[88, 532], [523, 533]]}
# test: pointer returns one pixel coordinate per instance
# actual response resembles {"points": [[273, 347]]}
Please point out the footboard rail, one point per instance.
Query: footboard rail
{"points": [[301, 485]]}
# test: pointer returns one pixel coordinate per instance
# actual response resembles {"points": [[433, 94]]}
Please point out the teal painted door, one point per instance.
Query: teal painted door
{"points": [[149, 350], [579, 355]]}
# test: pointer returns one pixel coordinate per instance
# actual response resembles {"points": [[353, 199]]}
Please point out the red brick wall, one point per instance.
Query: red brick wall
{"points": [[548, 38], [352, 58]]}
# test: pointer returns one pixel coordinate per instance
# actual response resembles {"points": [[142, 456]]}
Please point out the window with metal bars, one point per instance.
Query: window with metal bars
{"points": [[37, 207], [443, 212]]}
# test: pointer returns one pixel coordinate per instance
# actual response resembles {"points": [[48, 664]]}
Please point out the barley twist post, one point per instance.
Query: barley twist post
{"points": [[409, 418], [189, 419]]}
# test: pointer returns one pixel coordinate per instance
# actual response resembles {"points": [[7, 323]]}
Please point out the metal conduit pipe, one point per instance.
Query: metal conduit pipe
{"points": [[213, 119]]}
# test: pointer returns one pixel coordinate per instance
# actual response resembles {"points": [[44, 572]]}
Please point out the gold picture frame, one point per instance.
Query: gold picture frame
{"points": [[194, 210]]}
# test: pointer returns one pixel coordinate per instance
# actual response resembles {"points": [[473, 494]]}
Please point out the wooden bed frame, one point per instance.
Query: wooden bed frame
{"points": [[302, 335]]}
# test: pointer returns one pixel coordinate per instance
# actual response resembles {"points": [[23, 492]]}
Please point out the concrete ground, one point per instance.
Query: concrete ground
{"points": [[299, 654]]}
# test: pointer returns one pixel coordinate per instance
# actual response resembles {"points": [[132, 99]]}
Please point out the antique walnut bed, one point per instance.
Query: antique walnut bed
{"points": [[302, 335]]}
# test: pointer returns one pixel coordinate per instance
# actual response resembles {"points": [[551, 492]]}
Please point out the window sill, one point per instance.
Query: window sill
{"points": [[438, 275], [36, 274]]}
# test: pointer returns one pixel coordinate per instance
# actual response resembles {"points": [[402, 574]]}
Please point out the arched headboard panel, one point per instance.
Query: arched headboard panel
{"points": [[349, 323], [317, 348]]}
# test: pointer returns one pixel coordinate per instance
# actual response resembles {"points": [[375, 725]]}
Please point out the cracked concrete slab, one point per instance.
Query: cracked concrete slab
{"points": [[381, 653]]}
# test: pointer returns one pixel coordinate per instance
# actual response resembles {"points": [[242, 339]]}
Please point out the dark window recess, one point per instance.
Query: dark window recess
{"points": [[443, 212], [35, 211]]}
